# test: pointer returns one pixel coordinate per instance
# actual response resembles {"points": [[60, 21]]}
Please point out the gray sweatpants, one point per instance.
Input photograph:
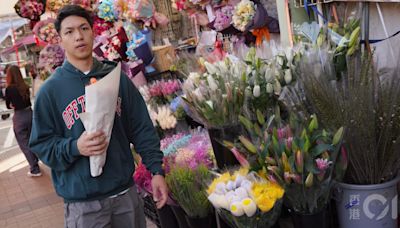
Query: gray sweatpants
{"points": [[22, 122], [124, 211]]}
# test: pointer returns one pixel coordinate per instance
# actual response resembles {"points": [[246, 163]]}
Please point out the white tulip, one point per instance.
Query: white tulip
{"points": [[288, 76], [241, 193], [211, 69], [238, 181], [236, 209], [220, 188], [217, 200], [230, 185], [249, 207], [211, 83], [246, 184], [210, 103], [277, 87], [268, 75], [256, 91], [270, 88]]}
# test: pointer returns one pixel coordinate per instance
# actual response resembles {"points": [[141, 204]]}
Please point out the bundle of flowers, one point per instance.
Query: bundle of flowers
{"points": [[46, 31], [112, 48], [188, 189], [106, 10], [31, 10], [100, 25], [244, 199], [216, 97], [181, 5], [51, 57], [243, 14], [55, 5], [223, 17], [299, 157], [137, 39], [190, 150], [142, 178]]}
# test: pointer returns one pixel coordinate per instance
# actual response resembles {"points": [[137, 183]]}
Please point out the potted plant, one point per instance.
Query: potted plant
{"points": [[367, 103]]}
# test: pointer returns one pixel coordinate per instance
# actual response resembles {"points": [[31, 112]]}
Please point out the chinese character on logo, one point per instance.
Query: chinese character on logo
{"points": [[354, 200], [354, 214]]}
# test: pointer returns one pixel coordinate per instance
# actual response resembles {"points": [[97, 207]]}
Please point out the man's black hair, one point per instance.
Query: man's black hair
{"points": [[72, 10]]}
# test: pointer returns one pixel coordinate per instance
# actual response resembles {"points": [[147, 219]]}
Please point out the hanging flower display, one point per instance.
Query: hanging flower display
{"points": [[46, 31], [55, 5], [31, 10], [243, 14]]}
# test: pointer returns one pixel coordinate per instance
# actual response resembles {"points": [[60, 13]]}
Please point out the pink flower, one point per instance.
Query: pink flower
{"points": [[241, 159], [142, 178], [322, 164]]}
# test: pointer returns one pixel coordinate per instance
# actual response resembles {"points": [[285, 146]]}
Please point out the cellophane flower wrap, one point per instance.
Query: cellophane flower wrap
{"points": [[30, 9], [299, 156], [188, 149], [46, 31], [245, 199]]}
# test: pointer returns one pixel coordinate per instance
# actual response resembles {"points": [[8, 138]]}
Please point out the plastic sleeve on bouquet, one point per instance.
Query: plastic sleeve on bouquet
{"points": [[101, 100]]}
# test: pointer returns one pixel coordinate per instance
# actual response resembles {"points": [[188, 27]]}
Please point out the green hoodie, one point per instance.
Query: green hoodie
{"points": [[56, 128]]}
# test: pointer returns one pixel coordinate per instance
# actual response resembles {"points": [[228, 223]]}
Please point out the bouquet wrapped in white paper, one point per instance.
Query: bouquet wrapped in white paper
{"points": [[101, 100]]}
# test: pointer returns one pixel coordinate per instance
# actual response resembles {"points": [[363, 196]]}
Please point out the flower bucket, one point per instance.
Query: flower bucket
{"points": [[167, 217], [319, 220], [180, 216], [223, 155], [367, 206], [208, 221]]}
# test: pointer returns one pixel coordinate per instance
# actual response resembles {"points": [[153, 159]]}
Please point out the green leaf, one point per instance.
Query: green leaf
{"points": [[246, 123], [260, 117], [313, 124], [338, 136], [257, 130], [228, 144], [320, 148], [309, 164], [307, 145]]}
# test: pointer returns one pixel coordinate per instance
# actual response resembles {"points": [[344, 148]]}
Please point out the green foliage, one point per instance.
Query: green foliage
{"points": [[188, 189]]}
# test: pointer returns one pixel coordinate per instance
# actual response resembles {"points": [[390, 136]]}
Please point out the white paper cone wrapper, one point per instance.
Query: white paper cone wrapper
{"points": [[101, 102]]}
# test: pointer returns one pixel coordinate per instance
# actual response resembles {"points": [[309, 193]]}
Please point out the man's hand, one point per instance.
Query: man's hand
{"points": [[160, 190], [92, 143]]}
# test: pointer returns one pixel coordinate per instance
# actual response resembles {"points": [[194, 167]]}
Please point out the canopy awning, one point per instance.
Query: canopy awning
{"points": [[27, 40]]}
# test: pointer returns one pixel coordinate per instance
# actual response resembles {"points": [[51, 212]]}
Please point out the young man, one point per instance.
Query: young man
{"points": [[60, 141]]}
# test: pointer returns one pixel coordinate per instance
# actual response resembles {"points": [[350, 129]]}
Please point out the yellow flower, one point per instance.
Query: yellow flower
{"points": [[242, 172], [221, 179], [265, 195]]}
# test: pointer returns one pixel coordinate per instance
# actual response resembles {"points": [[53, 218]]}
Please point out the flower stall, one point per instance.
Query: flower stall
{"points": [[255, 133]]}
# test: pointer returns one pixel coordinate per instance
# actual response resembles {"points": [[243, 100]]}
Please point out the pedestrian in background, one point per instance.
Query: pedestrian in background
{"points": [[18, 98]]}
